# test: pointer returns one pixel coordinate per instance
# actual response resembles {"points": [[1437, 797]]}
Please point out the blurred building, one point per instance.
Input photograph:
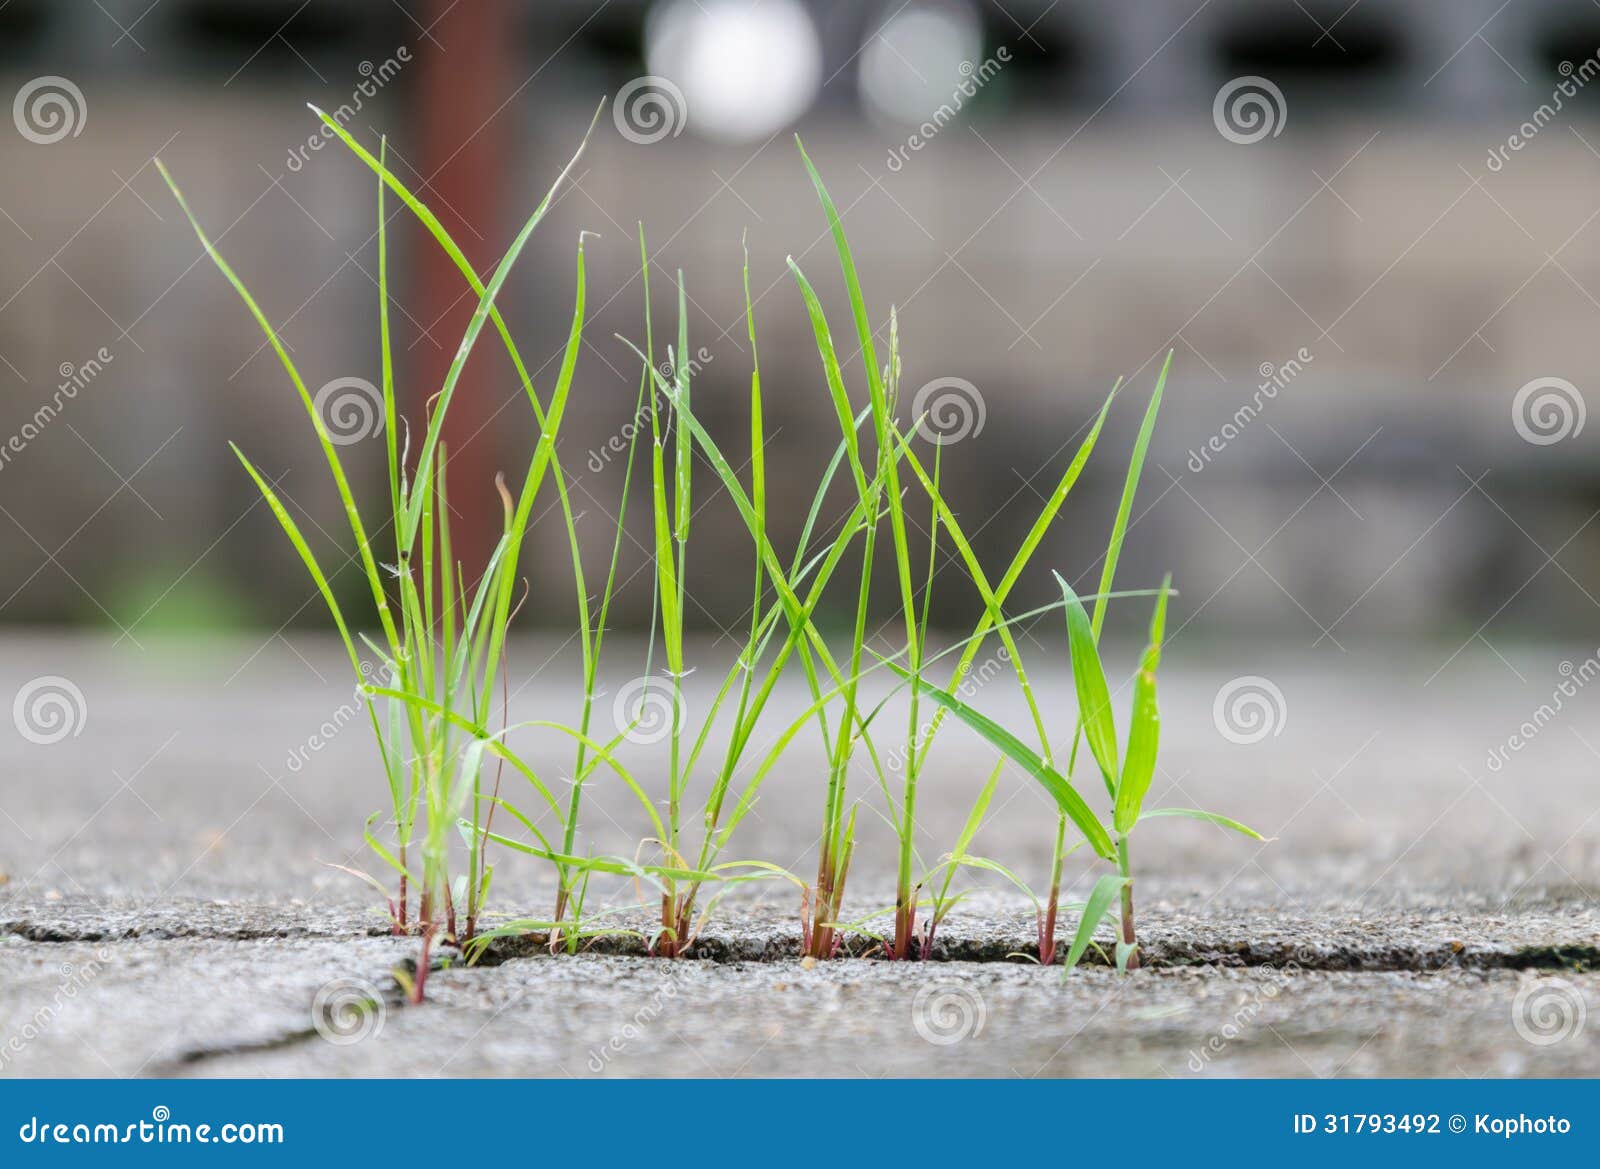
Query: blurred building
{"points": [[1362, 267]]}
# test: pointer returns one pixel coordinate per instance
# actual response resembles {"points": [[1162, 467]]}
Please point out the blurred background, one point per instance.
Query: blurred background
{"points": [[1366, 230]]}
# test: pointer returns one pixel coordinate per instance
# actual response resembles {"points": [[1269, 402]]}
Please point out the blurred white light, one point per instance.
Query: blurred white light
{"points": [[746, 68], [914, 63]]}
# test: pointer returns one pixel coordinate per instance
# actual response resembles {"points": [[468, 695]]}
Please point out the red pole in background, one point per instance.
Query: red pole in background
{"points": [[464, 138]]}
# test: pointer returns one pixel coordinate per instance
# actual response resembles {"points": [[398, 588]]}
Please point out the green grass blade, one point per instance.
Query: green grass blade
{"points": [[1060, 789], [869, 353], [992, 866], [1144, 730], [1089, 679], [994, 617], [391, 420], [1020, 561], [329, 451], [1209, 817], [469, 338], [980, 808], [832, 375], [1101, 899], [1119, 527], [292, 530]]}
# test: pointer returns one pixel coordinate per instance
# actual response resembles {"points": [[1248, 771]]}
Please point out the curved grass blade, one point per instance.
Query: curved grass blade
{"points": [[1144, 731], [1060, 789], [1089, 679], [1101, 898], [1119, 527], [1209, 817]]}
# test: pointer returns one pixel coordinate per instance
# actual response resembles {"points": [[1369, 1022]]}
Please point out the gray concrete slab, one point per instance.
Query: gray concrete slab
{"points": [[1423, 872], [273, 1008]]}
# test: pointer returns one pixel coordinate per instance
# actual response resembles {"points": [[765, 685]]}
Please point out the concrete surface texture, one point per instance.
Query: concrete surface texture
{"points": [[1426, 905]]}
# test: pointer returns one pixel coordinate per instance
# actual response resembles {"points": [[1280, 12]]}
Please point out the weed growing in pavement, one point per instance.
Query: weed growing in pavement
{"points": [[432, 679]]}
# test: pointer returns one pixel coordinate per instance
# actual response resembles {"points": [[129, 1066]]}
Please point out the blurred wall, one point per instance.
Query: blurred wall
{"points": [[1357, 296]]}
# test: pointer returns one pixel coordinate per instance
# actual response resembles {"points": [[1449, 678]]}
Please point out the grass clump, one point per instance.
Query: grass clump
{"points": [[430, 673], [443, 639]]}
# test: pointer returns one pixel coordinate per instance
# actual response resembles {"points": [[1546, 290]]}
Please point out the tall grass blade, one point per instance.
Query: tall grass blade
{"points": [[1144, 731]]}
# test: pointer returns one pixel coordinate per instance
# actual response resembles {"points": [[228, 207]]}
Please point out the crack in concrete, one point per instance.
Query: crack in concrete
{"points": [[1383, 947]]}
